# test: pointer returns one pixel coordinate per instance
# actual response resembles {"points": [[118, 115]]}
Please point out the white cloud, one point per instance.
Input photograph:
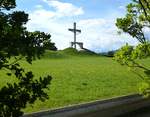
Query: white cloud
{"points": [[64, 9], [46, 21], [101, 35], [146, 31], [38, 6], [41, 14], [92, 22], [98, 34], [122, 7], [50, 21]]}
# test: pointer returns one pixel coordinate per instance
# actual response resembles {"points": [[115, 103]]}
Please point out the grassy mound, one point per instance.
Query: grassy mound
{"points": [[87, 52], [67, 53]]}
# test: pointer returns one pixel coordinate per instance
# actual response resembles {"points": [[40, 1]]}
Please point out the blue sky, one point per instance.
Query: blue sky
{"points": [[96, 19]]}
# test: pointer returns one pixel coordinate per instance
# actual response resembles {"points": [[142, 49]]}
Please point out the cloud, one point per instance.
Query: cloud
{"points": [[101, 35], [51, 21], [64, 9], [38, 6], [92, 22], [98, 34], [146, 31], [122, 7], [46, 21], [41, 15]]}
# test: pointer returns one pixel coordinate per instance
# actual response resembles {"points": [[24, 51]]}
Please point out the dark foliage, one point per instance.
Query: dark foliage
{"points": [[17, 43], [110, 54]]}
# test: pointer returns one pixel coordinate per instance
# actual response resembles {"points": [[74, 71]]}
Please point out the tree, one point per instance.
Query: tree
{"points": [[44, 40], [136, 20], [111, 53], [50, 46], [17, 43]]}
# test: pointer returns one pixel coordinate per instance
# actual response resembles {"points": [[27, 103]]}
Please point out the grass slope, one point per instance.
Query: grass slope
{"points": [[80, 77]]}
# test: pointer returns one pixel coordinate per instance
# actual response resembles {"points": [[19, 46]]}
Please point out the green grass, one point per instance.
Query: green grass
{"points": [[79, 77]]}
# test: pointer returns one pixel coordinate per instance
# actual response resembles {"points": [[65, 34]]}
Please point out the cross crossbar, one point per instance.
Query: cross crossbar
{"points": [[73, 30]]}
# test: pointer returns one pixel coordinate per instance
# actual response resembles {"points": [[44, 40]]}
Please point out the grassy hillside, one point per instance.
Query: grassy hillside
{"points": [[80, 77]]}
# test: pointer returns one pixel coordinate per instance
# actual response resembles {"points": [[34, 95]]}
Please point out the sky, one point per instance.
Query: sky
{"points": [[95, 18]]}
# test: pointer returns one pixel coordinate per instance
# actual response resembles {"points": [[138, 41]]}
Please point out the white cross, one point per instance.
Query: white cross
{"points": [[74, 30]]}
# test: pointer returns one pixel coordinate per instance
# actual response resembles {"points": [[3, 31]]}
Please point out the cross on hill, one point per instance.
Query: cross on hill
{"points": [[74, 30]]}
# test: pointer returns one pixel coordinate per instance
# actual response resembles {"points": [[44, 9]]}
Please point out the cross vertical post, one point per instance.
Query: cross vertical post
{"points": [[75, 35]]}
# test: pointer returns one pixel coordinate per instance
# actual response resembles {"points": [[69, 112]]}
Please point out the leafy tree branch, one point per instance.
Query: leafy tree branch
{"points": [[17, 43]]}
